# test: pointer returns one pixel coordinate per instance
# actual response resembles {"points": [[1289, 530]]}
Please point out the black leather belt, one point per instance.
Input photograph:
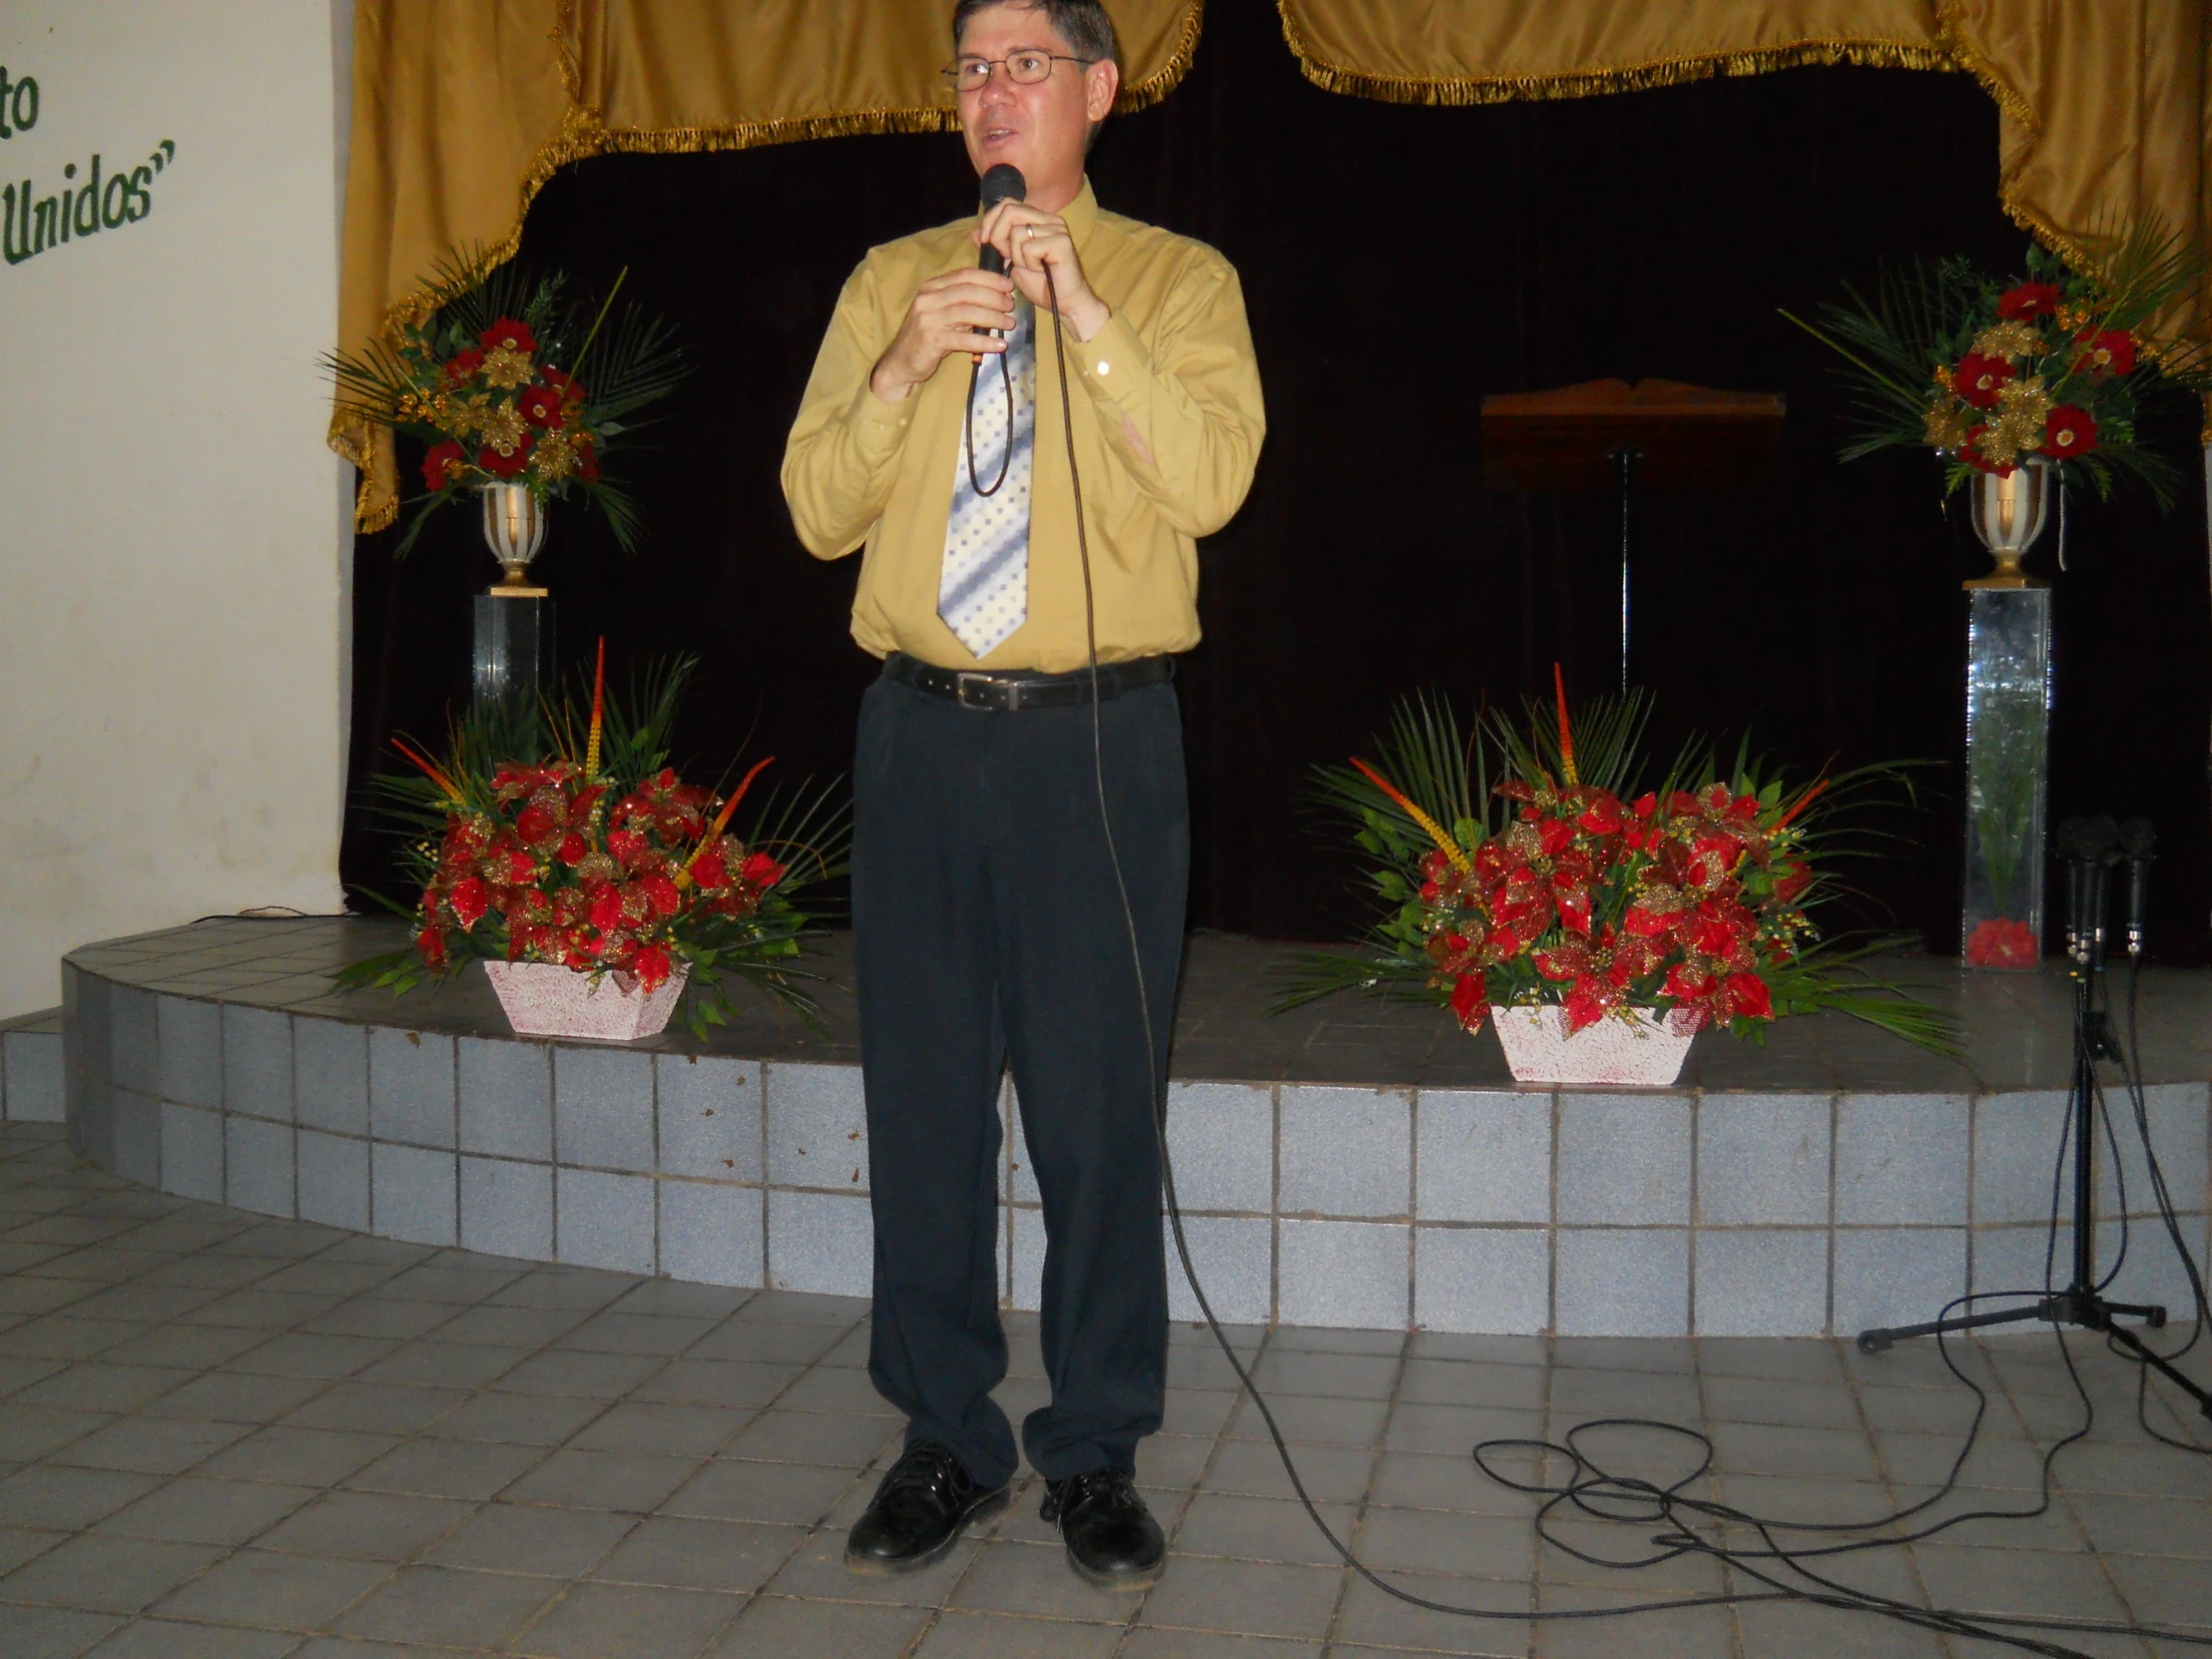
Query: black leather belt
{"points": [[1011, 690]]}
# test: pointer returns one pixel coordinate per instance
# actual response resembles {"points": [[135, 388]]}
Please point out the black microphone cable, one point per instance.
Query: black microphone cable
{"points": [[1592, 1489]]}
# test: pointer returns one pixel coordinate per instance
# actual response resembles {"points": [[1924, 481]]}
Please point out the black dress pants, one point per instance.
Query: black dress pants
{"points": [[986, 925]]}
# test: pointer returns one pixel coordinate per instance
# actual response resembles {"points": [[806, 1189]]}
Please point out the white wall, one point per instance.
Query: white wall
{"points": [[173, 544]]}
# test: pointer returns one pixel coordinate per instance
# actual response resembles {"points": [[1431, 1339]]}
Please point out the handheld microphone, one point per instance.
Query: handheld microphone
{"points": [[2138, 836], [1003, 183]]}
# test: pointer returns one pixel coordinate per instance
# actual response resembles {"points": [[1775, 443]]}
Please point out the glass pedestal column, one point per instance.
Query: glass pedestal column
{"points": [[512, 658], [2007, 764]]}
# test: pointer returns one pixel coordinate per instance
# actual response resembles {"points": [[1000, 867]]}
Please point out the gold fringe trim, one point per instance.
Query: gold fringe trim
{"points": [[1661, 72], [1164, 79], [584, 133]]}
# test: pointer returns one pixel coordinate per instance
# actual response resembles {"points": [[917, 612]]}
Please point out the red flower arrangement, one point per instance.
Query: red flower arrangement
{"points": [[490, 386], [600, 859], [1563, 887], [2057, 366]]}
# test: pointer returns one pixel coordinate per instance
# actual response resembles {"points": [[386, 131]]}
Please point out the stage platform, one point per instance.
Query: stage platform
{"points": [[1353, 1163]]}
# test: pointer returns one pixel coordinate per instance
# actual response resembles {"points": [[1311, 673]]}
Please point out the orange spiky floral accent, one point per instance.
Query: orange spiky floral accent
{"points": [[598, 712], [1445, 843], [1804, 801], [1566, 732], [429, 769], [722, 820]]}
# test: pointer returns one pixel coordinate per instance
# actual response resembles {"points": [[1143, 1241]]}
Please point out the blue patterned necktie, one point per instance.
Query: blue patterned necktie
{"points": [[983, 590]]}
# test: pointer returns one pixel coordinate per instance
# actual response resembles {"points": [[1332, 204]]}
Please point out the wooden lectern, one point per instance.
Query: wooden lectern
{"points": [[1610, 435]]}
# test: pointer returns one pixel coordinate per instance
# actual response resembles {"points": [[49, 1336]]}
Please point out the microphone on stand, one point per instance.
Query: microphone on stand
{"points": [[1003, 183], [2137, 837], [2087, 845]]}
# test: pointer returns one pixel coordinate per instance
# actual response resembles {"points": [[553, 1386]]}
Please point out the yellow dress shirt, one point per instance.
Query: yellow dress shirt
{"points": [[1168, 425]]}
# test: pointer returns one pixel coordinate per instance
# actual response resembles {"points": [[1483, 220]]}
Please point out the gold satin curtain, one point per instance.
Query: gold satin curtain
{"points": [[2103, 110], [462, 109]]}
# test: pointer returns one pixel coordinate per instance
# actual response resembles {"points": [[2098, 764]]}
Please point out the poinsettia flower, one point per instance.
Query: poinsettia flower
{"points": [[573, 849], [444, 464], [660, 894], [2069, 431], [1646, 924], [1574, 908], [1686, 983], [504, 466], [1646, 804], [1468, 1000], [1979, 380], [2027, 300], [762, 871], [1745, 998], [652, 967], [462, 364], [506, 334], [1584, 1007], [431, 946], [1554, 836], [536, 824], [1602, 816], [540, 406], [708, 872], [606, 908], [628, 846], [2109, 354], [470, 899], [587, 457]]}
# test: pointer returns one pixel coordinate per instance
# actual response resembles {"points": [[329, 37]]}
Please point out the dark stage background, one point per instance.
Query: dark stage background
{"points": [[1399, 262]]}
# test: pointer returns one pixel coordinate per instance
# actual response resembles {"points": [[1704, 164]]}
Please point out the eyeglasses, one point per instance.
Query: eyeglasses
{"points": [[1025, 69]]}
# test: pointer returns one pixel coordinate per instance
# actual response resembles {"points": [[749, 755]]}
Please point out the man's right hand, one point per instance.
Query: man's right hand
{"points": [[948, 315]]}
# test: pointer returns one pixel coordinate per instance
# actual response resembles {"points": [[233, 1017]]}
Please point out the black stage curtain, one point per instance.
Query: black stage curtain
{"points": [[1399, 262]]}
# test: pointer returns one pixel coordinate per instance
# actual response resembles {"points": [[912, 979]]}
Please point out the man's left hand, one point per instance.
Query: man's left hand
{"points": [[1032, 241]]}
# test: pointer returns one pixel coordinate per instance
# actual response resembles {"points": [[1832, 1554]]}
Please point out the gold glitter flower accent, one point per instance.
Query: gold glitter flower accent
{"points": [[507, 369], [2009, 340], [504, 428], [2024, 399], [1947, 425], [555, 455]]}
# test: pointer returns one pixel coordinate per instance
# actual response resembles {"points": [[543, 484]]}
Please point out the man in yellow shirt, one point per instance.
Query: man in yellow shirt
{"points": [[988, 916]]}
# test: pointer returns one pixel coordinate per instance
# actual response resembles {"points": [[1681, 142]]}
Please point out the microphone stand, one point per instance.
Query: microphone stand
{"points": [[2080, 1303]]}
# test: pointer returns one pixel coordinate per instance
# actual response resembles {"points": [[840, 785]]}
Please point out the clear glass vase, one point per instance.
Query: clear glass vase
{"points": [[2007, 764]]}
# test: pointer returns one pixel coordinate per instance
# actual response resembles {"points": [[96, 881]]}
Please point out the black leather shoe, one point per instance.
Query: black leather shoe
{"points": [[918, 1510], [1111, 1537]]}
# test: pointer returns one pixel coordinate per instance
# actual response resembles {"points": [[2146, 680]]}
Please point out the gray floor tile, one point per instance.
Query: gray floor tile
{"points": [[602, 1377], [446, 1605], [106, 1573], [620, 1621], [51, 1632], [692, 1430], [694, 1554], [447, 1469], [631, 1482], [443, 1365], [303, 1457], [1332, 1474], [169, 1639], [528, 1538], [236, 1397], [1243, 1598], [1205, 1644], [2015, 1580], [375, 1408], [371, 1526], [46, 1495], [1463, 1545], [152, 1445], [821, 1630], [1370, 1616], [1772, 1632], [789, 1494], [998, 1636], [814, 1437], [275, 1592], [1259, 1529], [731, 1384], [194, 1510], [818, 1571], [518, 1419]]}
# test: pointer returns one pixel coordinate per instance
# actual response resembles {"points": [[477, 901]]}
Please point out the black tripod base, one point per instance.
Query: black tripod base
{"points": [[2079, 1308]]}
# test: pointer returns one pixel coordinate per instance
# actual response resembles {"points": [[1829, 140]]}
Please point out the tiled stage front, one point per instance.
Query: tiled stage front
{"points": [[1352, 1164]]}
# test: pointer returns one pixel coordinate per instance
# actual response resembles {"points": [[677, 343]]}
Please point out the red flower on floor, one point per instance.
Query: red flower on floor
{"points": [[2001, 942], [1979, 379], [2017, 304]]}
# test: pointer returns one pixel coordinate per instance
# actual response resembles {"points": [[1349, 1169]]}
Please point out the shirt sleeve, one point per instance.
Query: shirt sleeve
{"points": [[843, 453], [1184, 413]]}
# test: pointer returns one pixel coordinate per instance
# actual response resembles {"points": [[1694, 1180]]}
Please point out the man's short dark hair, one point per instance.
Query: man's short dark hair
{"points": [[1083, 24]]}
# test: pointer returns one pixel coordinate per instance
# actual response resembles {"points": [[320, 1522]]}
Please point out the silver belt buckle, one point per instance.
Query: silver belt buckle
{"points": [[961, 680]]}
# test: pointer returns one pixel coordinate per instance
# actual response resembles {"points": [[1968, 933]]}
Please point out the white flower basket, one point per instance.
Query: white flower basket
{"points": [[1645, 1049], [545, 999]]}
